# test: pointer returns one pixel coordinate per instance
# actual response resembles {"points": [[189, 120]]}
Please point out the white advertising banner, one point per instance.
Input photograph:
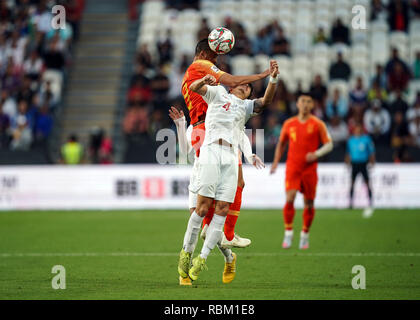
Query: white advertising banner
{"points": [[165, 186]]}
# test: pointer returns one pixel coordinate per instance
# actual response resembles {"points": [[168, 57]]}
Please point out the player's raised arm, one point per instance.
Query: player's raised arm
{"points": [[261, 103], [181, 127], [200, 86], [234, 81]]}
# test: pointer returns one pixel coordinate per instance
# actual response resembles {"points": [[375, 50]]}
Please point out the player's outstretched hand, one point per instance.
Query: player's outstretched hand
{"points": [[274, 68], [257, 162], [311, 157], [175, 114], [210, 80]]}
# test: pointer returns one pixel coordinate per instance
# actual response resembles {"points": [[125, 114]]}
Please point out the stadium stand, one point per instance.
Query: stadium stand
{"points": [[369, 76], [34, 61]]}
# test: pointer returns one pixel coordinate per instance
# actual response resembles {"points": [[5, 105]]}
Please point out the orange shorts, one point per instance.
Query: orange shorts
{"points": [[303, 181]]}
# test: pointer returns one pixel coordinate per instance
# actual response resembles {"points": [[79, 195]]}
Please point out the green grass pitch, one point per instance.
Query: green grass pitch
{"points": [[133, 255]]}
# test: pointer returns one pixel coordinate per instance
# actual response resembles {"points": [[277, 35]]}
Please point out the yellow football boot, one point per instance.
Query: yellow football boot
{"points": [[230, 270]]}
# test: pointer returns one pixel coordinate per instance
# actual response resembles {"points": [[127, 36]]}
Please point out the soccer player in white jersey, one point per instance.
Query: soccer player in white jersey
{"points": [[187, 154], [226, 116]]}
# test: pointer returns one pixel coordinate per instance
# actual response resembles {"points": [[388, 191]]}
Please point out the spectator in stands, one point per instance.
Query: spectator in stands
{"points": [[399, 104], [11, 79], [280, 105], [23, 111], [144, 57], [416, 66], [338, 130], [378, 10], [16, 49], [54, 57], [379, 77], [233, 25], [74, 11], [413, 118], [318, 90], [355, 118], [25, 92], [160, 89], [136, 120], [4, 129], [400, 136], [263, 41], [8, 103], [415, 7], [176, 76], [72, 151], [21, 135], [33, 66], [377, 122], [320, 36], [43, 124], [242, 43], [340, 69], [358, 94], [42, 17], [272, 131], [377, 92], [395, 59], [204, 30], [398, 17], [337, 105], [398, 78], [339, 32], [280, 44], [165, 48], [100, 147]]}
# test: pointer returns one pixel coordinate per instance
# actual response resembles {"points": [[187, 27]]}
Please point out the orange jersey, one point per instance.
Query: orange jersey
{"points": [[196, 105], [303, 138]]}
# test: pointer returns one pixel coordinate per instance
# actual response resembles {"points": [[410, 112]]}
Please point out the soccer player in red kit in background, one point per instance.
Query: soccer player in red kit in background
{"points": [[304, 133], [203, 64]]}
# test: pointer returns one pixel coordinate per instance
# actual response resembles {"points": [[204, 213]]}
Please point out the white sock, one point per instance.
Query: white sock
{"points": [[214, 235], [191, 235], [304, 234], [227, 253], [288, 233]]}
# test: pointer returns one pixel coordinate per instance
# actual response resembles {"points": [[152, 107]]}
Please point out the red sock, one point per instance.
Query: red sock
{"points": [[288, 215], [233, 214], [209, 216], [308, 217]]}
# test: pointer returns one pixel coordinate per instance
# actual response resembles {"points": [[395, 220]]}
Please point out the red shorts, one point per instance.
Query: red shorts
{"points": [[304, 181]]}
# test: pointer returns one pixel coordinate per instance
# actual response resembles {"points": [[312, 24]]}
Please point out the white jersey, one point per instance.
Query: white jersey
{"points": [[226, 115]]}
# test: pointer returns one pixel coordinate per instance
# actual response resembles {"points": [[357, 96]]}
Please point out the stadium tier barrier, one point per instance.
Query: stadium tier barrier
{"points": [[166, 187]]}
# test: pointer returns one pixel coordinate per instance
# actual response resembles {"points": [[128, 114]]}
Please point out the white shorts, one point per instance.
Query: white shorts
{"points": [[218, 172]]}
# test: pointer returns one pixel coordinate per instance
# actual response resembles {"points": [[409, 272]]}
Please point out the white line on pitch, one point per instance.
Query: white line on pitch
{"points": [[172, 254]]}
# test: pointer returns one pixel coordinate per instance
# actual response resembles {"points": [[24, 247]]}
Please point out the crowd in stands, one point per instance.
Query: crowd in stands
{"points": [[33, 62], [380, 105]]}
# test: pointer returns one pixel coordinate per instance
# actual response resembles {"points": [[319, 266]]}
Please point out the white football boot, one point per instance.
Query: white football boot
{"points": [[236, 242], [368, 212], [304, 240], [288, 238]]}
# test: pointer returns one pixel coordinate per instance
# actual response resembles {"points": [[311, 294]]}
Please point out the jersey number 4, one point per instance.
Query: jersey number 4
{"points": [[226, 106]]}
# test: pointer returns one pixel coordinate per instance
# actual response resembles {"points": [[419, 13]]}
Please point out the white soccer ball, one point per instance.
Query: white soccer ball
{"points": [[221, 40]]}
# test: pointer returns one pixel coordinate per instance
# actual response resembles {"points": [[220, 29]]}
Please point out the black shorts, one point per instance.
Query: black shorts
{"points": [[357, 168]]}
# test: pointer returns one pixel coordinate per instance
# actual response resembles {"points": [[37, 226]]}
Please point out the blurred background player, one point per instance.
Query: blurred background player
{"points": [[360, 152], [303, 133], [203, 64]]}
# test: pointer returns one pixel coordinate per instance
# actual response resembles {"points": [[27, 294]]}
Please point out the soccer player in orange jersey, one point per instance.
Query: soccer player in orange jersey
{"points": [[304, 133], [203, 64]]}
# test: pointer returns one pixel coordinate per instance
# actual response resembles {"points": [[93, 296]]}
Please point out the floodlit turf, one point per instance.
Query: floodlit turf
{"points": [[133, 255]]}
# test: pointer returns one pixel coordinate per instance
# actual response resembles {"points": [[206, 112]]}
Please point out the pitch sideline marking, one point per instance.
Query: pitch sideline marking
{"points": [[173, 254]]}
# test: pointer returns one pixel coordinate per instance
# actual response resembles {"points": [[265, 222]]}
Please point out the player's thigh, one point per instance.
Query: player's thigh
{"points": [[293, 181], [365, 173], [355, 170], [228, 180], [209, 171], [309, 184], [291, 195]]}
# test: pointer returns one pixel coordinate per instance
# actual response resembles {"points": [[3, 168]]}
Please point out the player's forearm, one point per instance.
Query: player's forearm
{"points": [[234, 81], [278, 153], [326, 148], [245, 146], [181, 130], [197, 85], [269, 94]]}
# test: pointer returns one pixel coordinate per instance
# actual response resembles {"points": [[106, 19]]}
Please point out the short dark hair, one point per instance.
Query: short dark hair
{"points": [[252, 90], [202, 45], [304, 93]]}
